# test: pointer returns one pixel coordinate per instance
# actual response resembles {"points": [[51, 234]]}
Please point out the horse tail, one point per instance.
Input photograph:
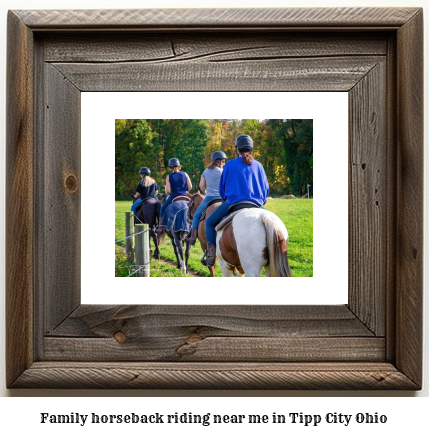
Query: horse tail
{"points": [[161, 237], [277, 242], [157, 212]]}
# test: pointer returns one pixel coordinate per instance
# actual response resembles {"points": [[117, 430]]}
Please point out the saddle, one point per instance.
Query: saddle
{"points": [[144, 201], [233, 210], [242, 205], [213, 201], [181, 198]]}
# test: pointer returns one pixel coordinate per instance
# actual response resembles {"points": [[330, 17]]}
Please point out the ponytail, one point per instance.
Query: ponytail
{"points": [[147, 181], [247, 157], [214, 164]]}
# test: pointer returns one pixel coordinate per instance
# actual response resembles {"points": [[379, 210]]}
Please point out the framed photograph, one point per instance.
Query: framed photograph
{"points": [[173, 130], [58, 60]]}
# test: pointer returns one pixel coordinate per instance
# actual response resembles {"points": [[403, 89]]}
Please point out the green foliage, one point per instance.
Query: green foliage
{"points": [[284, 147], [123, 268], [296, 138], [133, 149]]}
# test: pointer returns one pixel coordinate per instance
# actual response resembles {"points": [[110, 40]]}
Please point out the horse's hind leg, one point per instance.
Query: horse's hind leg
{"points": [[187, 252], [227, 270], [211, 270], [155, 242], [238, 273], [179, 253], [176, 252]]}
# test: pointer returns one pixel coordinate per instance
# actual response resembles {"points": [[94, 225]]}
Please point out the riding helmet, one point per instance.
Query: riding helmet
{"points": [[218, 155], [145, 170], [244, 143], [173, 162]]}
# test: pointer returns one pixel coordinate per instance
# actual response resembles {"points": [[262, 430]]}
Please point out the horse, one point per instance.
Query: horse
{"points": [[148, 213], [251, 239], [195, 202], [177, 229]]}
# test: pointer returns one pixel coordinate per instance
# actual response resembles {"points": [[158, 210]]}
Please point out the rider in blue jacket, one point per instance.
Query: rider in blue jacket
{"points": [[243, 179]]}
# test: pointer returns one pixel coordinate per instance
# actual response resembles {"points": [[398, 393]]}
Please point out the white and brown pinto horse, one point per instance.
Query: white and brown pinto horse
{"points": [[254, 238]]}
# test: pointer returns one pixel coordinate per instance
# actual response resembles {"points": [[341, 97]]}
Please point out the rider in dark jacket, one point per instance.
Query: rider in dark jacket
{"points": [[147, 188]]}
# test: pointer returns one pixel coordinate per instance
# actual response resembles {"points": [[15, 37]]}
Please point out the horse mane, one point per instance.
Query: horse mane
{"points": [[192, 198], [277, 242]]}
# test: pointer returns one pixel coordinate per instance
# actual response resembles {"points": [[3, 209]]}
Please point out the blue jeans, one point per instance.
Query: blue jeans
{"points": [[199, 211], [214, 219], [165, 205], [136, 204]]}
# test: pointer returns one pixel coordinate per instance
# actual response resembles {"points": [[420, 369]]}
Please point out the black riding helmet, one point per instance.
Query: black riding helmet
{"points": [[145, 170], [218, 155], [173, 162], [244, 143]]}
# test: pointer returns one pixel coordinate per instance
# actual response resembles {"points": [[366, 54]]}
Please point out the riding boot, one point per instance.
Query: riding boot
{"points": [[211, 254], [160, 228], [194, 234]]}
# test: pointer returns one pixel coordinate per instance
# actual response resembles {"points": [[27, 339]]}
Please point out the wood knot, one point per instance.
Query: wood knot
{"points": [[71, 183], [193, 338], [120, 337]]}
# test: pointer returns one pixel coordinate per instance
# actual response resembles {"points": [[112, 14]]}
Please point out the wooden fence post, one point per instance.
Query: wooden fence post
{"points": [[129, 221], [142, 250]]}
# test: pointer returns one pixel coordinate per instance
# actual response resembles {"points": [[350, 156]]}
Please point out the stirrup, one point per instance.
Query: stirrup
{"points": [[203, 259]]}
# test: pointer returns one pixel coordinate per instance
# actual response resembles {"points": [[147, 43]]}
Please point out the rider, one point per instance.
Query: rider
{"points": [[147, 188], [211, 177], [243, 179], [177, 183]]}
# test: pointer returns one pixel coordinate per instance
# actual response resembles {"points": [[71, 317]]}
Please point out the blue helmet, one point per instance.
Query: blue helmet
{"points": [[145, 170]]}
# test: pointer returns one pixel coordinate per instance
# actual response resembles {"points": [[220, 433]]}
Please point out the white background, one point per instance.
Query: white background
{"points": [[99, 110], [22, 414]]}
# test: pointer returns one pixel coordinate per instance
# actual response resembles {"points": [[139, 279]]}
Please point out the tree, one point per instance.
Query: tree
{"points": [[296, 138], [132, 151], [284, 147]]}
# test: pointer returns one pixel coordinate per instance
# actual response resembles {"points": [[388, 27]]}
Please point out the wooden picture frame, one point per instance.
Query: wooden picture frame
{"points": [[373, 342]]}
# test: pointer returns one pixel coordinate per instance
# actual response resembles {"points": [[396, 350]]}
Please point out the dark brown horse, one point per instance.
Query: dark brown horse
{"points": [[148, 213], [196, 200]]}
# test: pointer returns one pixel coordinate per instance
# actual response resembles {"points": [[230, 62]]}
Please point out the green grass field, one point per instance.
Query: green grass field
{"points": [[296, 214]]}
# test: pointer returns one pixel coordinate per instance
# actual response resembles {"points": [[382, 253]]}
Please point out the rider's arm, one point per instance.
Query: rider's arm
{"points": [[138, 191], [265, 185], [203, 184], [222, 182], [188, 183], [167, 186]]}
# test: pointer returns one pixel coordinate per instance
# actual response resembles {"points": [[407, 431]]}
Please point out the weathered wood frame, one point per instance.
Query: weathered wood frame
{"points": [[374, 342]]}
